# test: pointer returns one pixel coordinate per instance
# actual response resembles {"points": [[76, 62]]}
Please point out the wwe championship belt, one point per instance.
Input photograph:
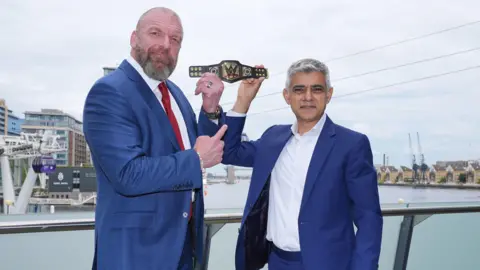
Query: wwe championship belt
{"points": [[229, 71]]}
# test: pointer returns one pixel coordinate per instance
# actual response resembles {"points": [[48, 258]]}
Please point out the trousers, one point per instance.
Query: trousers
{"points": [[284, 260], [186, 259]]}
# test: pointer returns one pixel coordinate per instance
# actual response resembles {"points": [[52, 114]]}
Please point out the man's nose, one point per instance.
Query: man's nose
{"points": [[165, 42], [308, 95]]}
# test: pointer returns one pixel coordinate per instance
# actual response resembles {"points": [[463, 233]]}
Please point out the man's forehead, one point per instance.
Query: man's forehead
{"points": [[308, 79], [160, 18]]}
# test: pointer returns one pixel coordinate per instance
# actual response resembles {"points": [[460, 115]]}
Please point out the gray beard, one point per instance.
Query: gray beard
{"points": [[147, 66]]}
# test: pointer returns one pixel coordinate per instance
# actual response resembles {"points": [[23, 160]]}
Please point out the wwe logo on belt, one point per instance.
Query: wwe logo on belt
{"points": [[230, 70]]}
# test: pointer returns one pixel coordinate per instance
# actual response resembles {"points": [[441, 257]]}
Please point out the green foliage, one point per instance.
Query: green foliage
{"points": [[442, 180]]}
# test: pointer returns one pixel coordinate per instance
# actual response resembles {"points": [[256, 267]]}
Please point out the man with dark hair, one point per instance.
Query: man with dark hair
{"points": [[311, 182]]}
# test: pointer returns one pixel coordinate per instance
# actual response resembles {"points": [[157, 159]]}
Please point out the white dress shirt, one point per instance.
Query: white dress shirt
{"points": [[286, 186]]}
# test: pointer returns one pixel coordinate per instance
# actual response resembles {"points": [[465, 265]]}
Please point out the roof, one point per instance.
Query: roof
{"points": [[52, 112]]}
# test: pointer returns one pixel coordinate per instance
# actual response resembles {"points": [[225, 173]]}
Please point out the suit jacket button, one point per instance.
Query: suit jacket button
{"points": [[185, 214]]}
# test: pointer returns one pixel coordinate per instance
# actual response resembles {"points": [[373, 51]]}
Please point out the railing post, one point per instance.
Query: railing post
{"points": [[209, 231], [403, 244], [206, 248]]}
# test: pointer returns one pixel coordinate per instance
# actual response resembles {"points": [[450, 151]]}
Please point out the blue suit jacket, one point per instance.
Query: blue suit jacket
{"points": [[144, 181], [340, 190]]}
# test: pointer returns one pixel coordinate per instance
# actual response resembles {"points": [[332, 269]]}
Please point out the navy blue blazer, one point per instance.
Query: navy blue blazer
{"points": [[340, 190], [144, 181]]}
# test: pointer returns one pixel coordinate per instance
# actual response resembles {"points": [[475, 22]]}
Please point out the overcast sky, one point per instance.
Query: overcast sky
{"points": [[53, 51]]}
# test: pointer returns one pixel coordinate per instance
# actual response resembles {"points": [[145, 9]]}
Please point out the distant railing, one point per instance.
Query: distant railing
{"points": [[214, 222]]}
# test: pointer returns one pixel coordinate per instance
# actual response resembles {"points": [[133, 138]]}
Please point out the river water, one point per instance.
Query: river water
{"points": [[454, 246]]}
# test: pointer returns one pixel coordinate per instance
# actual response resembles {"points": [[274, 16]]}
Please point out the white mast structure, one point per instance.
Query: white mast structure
{"points": [[26, 146], [230, 169]]}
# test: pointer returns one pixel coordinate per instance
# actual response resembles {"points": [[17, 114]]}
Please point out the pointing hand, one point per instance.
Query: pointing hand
{"points": [[210, 149]]}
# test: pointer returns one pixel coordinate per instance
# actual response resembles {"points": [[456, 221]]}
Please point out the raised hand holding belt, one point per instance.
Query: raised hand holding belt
{"points": [[229, 71]]}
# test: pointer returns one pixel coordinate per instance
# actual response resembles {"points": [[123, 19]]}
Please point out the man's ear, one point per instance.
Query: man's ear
{"points": [[329, 94], [133, 39], [286, 95]]}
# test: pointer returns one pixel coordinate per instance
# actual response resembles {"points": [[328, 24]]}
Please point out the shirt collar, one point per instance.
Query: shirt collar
{"points": [[152, 83], [314, 131]]}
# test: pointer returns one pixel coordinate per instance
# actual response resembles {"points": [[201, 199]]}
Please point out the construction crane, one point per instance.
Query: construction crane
{"points": [[37, 149], [423, 166], [414, 161]]}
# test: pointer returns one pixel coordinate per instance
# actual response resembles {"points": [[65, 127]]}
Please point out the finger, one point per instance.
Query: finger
{"points": [[261, 79], [220, 133], [202, 78], [198, 90], [218, 157], [200, 84], [208, 76], [203, 89], [211, 77], [218, 147]]}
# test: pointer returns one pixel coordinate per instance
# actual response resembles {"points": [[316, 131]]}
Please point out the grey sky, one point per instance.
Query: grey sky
{"points": [[53, 51]]}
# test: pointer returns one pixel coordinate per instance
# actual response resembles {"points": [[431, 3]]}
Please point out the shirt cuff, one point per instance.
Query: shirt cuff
{"points": [[231, 113]]}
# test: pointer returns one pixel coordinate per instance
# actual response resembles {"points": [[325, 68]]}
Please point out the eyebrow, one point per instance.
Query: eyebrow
{"points": [[313, 86], [153, 28], [175, 33]]}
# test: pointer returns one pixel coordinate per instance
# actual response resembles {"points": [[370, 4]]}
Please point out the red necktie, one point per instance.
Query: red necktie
{"points": [[173, 120]]}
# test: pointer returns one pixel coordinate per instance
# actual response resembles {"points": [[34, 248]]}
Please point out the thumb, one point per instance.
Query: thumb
{"points": [[220, 133]]}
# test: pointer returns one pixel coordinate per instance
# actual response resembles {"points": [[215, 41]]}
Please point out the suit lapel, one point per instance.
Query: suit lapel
{"points": [[152, 102], [272, 147], [322, 150], [184, 108]]}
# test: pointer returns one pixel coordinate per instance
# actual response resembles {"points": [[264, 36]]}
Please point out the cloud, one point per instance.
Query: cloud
{"points": [[55, 50]]}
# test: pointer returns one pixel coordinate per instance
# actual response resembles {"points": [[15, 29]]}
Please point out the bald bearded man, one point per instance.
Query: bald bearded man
{"points": [[150, 154]]}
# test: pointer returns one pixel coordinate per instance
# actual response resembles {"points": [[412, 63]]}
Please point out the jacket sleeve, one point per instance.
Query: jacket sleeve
{"points": [[207, 126], [235, 151], [115, 140], [363, 191]]}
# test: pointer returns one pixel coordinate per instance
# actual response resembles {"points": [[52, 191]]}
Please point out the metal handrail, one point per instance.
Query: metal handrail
{"points": [[33, 226]]}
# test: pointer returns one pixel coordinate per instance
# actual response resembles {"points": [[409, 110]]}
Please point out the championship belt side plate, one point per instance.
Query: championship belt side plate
{"points": [[229, 71]]}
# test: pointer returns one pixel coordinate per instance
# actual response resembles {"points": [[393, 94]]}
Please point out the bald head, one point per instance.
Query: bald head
{"points": [[155, 13], [156, 42]]}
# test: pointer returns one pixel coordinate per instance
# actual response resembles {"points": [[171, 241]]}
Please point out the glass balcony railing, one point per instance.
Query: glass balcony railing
{"points": [[415, 237]]}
